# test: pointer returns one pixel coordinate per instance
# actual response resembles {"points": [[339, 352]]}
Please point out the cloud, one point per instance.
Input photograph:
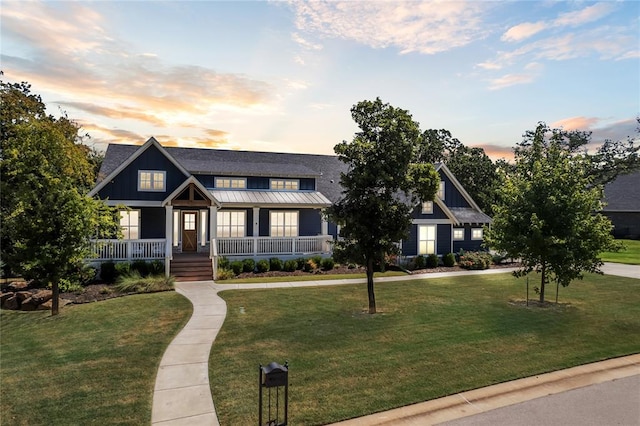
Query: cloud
{"points": [[496, 152], [586, 15], [523, 31], [510, 80], [576, 123], [305, 43], [423, 27], [121, 112], [601, 128]]}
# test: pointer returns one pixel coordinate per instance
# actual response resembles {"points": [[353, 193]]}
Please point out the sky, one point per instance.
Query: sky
{"points": [[283, 75]]}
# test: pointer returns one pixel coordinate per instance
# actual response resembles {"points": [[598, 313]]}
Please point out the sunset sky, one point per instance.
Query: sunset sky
{"points": [[283, 75]]}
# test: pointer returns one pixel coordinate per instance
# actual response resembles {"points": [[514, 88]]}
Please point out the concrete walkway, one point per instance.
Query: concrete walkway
{"points": [[182, 395]]}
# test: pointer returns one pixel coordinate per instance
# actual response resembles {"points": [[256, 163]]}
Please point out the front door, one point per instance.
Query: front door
{"points": [[189, 231]]}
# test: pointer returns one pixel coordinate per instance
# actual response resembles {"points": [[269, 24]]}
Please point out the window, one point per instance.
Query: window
{"points": [[427, 207], [284, 224], [441, 190], [285, 184], [234, 183], [130, 224], [476, 234], [189, 220], [151, 180], [458, 233], [231, 224], [426, 239]]}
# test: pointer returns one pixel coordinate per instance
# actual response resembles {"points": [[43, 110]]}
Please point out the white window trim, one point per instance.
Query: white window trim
{"points": [[427, 207], [153, 189], [218, 180], [454, 234], [128, 213], [441, 194], [475, 230], [228, 227], [284, 183], [297, 212], [435, 240]]}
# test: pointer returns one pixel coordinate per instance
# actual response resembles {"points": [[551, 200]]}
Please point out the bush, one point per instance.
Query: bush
{"points": [[123, 268], [86, 274], [300, 263], [317, 260], [224, 274], [135, 283], [223, 263], [498, 258], [475, 260], [156, 267], [275, 264], [248, 265], [290, 265], [108, 272], [237, 267], [310, 265], [141, 267], [419, 261], [328, 263], [69, 286], [449, 260], [432, 261], [262, 265]]}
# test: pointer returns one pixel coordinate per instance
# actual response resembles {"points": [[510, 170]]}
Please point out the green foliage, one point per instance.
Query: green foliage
{"points": [[46, 217], [300, 263], [237, 267], [275, 264], [68, 286], [141, 266], [328, 263], [310, 265], [122, 268], [549, 216], [449, 260], [419, 261], [262, 265], [135, 283], [108, 272], [382, 165], [224, 274], [223, 263], [290, 265], [156, 267], [475, 260], [248, 265], [432, 261]]}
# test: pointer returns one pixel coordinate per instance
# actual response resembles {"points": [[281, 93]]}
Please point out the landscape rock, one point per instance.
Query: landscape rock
{"points": [[5, 296], [42, 296], [46, 306], [10, 303], [23, 295], [17, 286], [29, 305]]}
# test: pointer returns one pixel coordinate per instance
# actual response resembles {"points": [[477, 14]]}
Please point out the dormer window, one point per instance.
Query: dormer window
{"points": [[427, 207], [152, 180], [285, 184], [231, 183], [441, 190]]}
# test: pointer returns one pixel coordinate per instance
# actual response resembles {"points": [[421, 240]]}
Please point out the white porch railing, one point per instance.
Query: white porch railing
{"points": [[128, 249], [257, 246]]}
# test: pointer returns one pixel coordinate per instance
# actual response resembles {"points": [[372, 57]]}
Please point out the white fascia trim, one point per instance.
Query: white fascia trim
{"points": [[458, 186], [125, 164], [431, 222], [133, 203], [196, 182], [446, 211]]}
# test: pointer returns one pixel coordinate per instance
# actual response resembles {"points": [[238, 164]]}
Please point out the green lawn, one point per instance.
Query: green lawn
{"points": [[432, 338], [629, 255], [92, 364], [318, 277]]}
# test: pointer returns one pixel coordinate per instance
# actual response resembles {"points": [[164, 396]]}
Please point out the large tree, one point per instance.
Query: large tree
{"points": [[549, 216], [383, 184], [46, 216], [471, 165]]}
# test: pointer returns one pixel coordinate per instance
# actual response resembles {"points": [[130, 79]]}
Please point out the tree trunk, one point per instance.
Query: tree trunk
{"points": [[543, 281], [55, 297], [372, 296]]}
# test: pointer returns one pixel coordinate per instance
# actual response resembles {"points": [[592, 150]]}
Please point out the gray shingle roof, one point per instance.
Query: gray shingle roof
{"points": [[469, 215], [623, 194]]}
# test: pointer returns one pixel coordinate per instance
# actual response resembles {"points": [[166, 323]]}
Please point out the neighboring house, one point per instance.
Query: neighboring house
{"points": [[622, 197], [252, 204]]}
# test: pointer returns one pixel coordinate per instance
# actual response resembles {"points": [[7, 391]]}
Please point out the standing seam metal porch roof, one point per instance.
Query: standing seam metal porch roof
{"points": [[271, 198]]}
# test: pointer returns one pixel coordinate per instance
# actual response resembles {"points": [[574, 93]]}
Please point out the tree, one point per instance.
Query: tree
{"points": [[46, 216], [549, 212], [384, 183], [472, 166]]}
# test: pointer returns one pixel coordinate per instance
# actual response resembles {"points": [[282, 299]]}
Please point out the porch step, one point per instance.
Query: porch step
{"points": [[191, 268]]}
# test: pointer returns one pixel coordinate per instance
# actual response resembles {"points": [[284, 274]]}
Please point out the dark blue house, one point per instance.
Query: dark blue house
{"points": [[176, 201]]}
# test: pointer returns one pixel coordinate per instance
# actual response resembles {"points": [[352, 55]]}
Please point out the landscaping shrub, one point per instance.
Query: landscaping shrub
{"points": [[475, 260], [290, 265], [328, 263], [141, 267], [224, 274], [275, 264], [237, 267], [497, 259], [262, 265], [248, 265], [300, 263], [432, 261], [134, 282], [156, 267], [310, 265], [419, 261], [108, 272], [123, 268], [317, 260], [223, 263], [449, 260], [68, 286]]}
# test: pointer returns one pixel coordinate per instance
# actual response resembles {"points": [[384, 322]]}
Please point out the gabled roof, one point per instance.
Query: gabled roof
{"points": [[191, 180], [459, 187], [623, 194]]}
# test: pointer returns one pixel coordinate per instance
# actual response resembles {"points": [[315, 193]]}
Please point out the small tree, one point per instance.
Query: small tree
{"points": [[549, 212], [382, 186]]}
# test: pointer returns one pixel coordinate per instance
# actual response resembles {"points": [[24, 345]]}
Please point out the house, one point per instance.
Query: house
{"points": [[622, 198], [178, 203]]}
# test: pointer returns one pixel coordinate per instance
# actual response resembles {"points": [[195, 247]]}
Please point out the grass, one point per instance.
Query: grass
{"points": [[134, 282], [93, 364], [630, 254], [313, 277], [432, 338]]}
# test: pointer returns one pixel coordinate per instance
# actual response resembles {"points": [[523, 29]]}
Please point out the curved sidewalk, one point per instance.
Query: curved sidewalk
{"points": [[182, 395]]}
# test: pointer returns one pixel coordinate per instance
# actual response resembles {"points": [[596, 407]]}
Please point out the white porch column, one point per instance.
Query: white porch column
{"points": [[324, 225], [256, 221], [213, 222], [168, 238]]}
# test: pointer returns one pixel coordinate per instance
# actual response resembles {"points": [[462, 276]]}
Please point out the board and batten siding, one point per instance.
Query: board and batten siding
{"points": [[452, 197]]}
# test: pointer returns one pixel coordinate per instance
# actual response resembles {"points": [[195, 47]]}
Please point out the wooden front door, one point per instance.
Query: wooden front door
{"points": [[189, 231]]}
